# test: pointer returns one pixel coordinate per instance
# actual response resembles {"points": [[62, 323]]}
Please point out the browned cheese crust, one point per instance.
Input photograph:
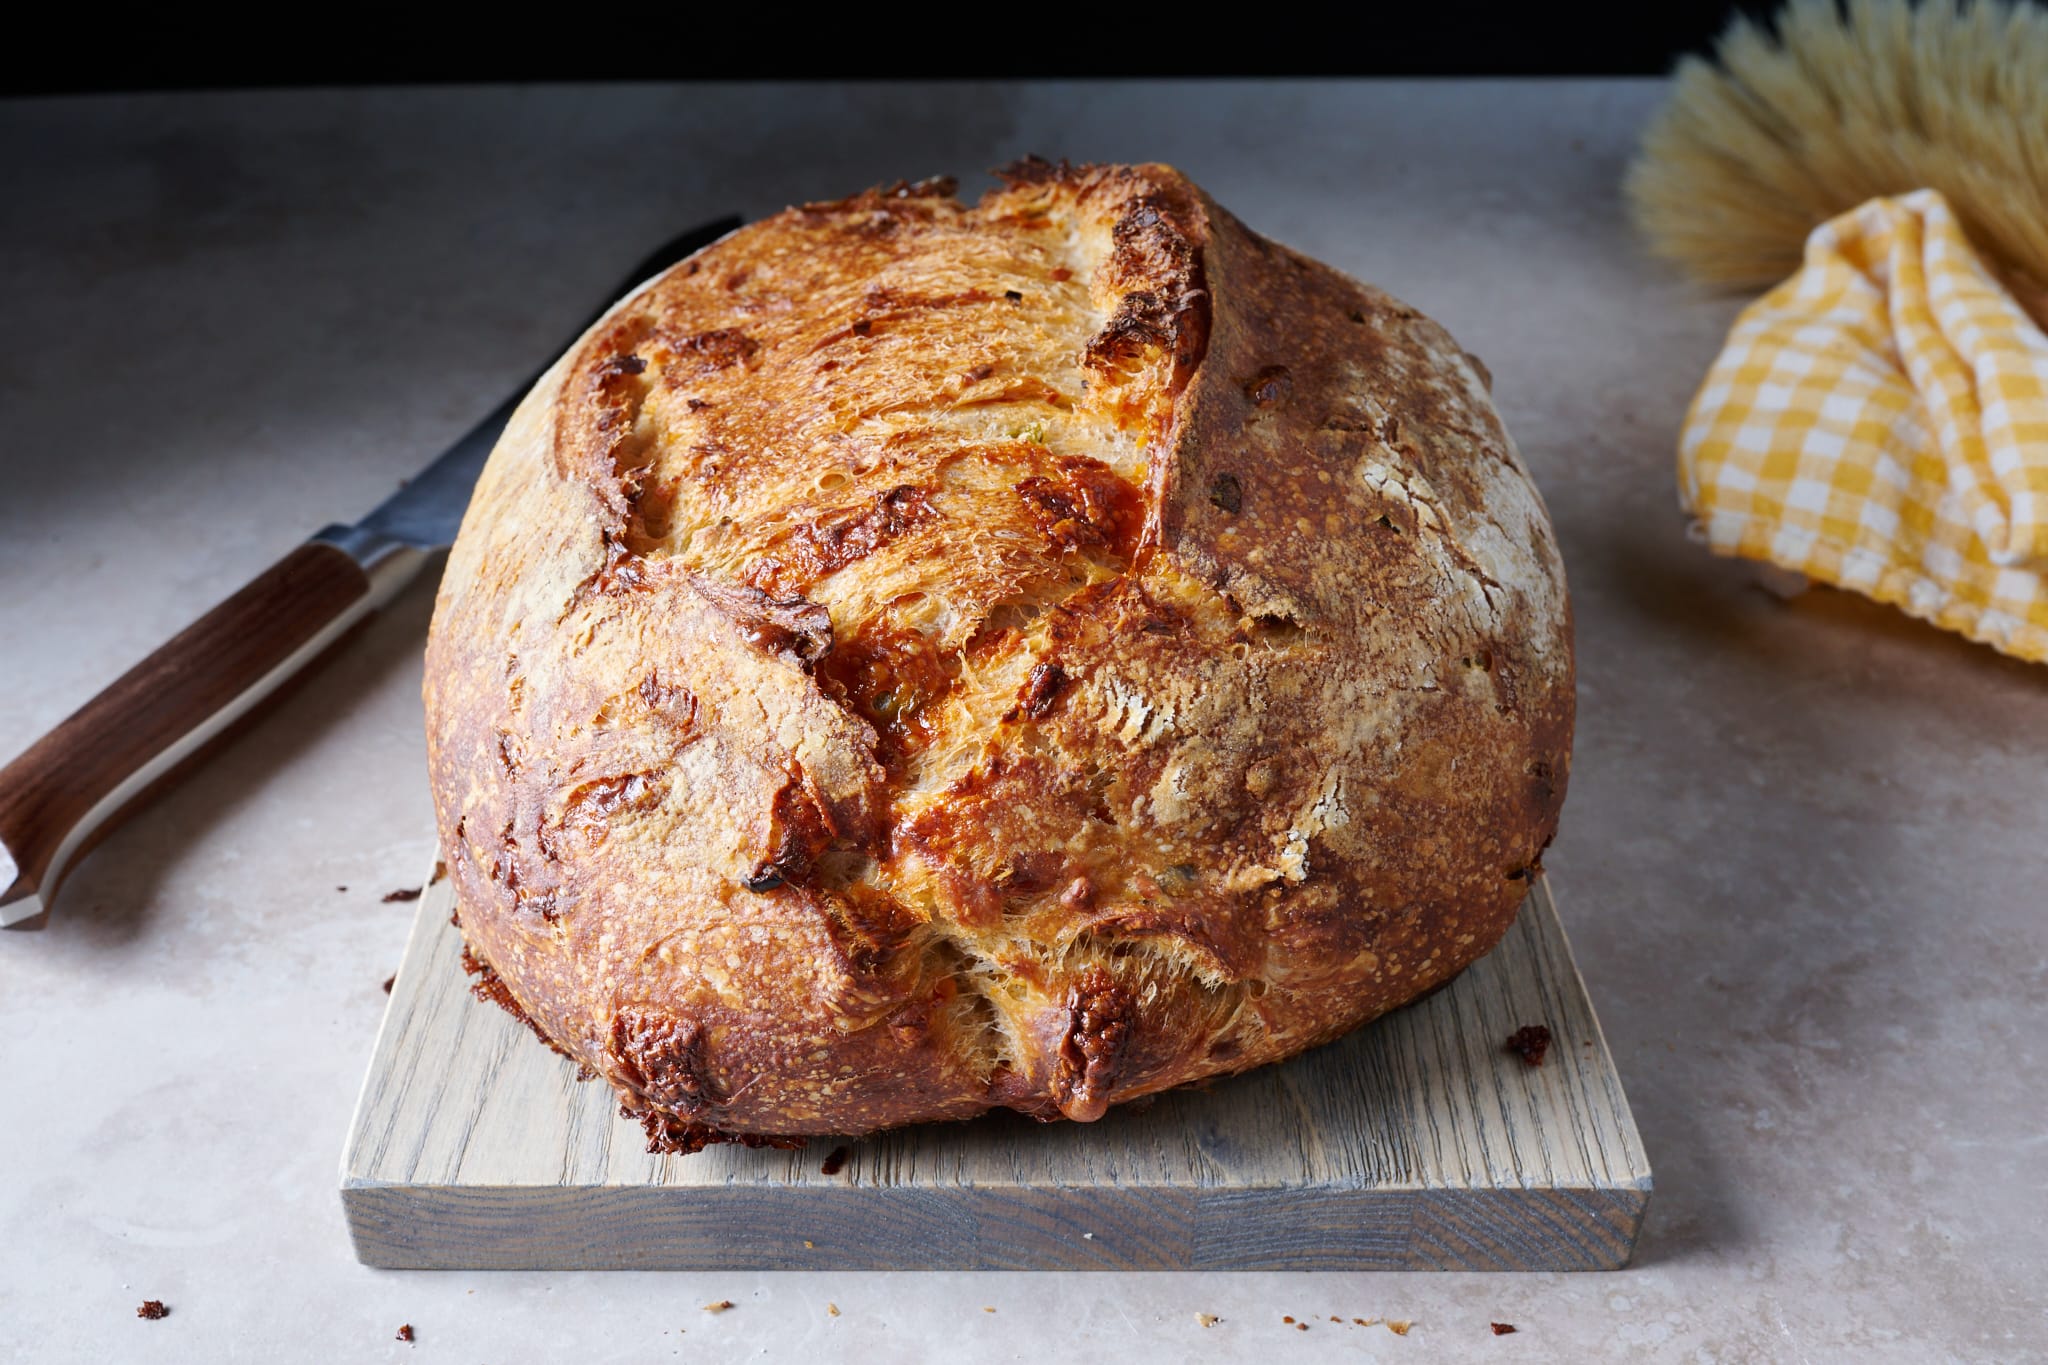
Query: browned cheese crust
{"points": [[1030, 655]]}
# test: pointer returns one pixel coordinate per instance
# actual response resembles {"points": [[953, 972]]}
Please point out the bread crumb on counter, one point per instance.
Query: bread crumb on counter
{"points": [[1399, 1329], [1207, 1319], [718, 1307], [152, 1309], [832, 1309], [405, 1333], [1501, 1329], [403, 893]]}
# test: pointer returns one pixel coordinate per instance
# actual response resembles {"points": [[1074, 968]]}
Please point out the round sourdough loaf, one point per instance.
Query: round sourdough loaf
{"points": [[911, 659]]}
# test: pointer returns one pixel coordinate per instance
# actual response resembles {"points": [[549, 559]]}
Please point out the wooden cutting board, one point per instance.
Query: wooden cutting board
{"points": [[1419, 1142]]}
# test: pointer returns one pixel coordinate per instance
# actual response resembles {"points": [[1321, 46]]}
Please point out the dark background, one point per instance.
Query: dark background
{"points": [[584, 41]]}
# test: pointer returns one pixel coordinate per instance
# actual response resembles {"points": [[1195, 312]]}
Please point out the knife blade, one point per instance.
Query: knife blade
{"points": [[69, 788]]}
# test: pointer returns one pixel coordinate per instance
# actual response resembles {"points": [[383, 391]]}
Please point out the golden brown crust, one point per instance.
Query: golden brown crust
{"points": [[1028, 655]]}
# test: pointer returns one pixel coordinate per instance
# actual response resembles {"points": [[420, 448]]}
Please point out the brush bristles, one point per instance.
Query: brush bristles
{"points": [[1875, 97]]}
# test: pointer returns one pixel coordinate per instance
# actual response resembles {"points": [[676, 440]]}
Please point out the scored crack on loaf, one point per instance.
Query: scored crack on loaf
{"points": [[912, 659]]}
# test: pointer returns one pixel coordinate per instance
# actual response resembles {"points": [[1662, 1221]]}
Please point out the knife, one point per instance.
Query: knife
{"points": [[74, 784]]}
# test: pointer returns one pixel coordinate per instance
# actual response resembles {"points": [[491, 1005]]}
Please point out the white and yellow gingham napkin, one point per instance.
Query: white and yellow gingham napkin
{"points": [[1880, 422]]}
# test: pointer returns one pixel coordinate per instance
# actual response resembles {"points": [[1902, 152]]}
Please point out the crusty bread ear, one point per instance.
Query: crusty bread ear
{"points": [[1783, 130]]}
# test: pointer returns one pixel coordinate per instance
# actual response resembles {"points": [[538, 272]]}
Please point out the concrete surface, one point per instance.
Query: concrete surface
{"points": [[1803, 860]]}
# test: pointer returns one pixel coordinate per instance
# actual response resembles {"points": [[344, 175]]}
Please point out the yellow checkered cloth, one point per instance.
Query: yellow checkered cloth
{"points": [[1880, 421]]}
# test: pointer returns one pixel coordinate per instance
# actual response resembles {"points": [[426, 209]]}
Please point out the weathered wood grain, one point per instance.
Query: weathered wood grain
{"points": [[1416, 1143]]}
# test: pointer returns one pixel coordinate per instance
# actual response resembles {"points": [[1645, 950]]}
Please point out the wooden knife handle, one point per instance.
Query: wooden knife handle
{"points": [[74, 783]]}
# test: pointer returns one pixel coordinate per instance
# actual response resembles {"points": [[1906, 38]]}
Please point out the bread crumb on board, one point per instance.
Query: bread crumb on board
{"points": [[1501, 1329], [1399, 1329], [1207, 1319], [405, 1332], [153, 1310], [403, 893], [832, 1309], [718, 1307], [1530, 1042]]}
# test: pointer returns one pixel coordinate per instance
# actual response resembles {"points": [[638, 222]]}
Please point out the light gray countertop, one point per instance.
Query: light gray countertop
{"points": [[1803, 861]]}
